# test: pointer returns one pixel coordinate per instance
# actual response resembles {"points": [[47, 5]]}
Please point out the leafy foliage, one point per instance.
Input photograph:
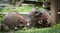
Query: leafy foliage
{"points": [[40, 0], [19, 9]]}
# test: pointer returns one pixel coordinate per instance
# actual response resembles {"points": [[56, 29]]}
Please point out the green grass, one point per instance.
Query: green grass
{"points": [[32, 31], [54, 29]]}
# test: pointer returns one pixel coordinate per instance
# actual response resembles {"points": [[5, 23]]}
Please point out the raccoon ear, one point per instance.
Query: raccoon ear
{"points": [[36, 12], [21, 22]]}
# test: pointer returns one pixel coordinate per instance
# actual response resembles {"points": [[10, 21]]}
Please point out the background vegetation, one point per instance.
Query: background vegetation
{"points": [[19, 9], [53, 29], [9, 8]]}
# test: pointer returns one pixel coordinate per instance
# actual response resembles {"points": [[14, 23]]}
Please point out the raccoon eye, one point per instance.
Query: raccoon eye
{"points": [[21, 22]]}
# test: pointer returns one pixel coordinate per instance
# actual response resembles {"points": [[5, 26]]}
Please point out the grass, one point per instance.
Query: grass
{"points": [[53, 29], [32, 31]]}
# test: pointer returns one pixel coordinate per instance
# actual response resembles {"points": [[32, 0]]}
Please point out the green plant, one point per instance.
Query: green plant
{"points": [[39, 0], [19, 9]]}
